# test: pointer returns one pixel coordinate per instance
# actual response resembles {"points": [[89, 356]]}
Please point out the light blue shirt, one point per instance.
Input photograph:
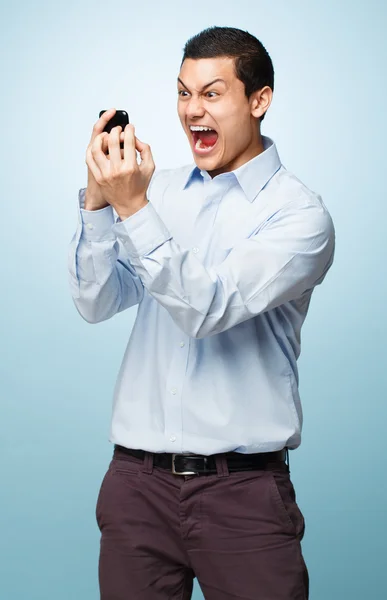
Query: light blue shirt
{"points": [[222, 271]]}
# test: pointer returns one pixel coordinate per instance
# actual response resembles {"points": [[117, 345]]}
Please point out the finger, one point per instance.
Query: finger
{"points": [[122, 139], [105, 147], [99, 157], [147, 162], [91, 164], [114, 146], [104, 143], [130, 159], [99, 126]]}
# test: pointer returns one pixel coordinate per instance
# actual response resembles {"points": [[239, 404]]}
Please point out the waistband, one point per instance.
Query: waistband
{"points": [[190, 463]]}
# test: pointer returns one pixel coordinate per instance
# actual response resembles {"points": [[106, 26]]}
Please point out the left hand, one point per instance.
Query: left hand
{"points": [[123, 182]]}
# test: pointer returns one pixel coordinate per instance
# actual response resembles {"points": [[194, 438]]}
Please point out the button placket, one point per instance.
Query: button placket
{"points": [[175, 381], [203, 230]]}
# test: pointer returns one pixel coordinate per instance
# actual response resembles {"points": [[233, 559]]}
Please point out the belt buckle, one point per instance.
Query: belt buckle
{"points": [[174, 454]]}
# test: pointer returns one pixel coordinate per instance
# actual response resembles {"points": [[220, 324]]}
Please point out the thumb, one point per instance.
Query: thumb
{"points": [[146, 154]]}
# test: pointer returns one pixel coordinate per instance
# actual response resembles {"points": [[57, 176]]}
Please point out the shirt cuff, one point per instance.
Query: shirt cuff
{"points": [[96, 224], [142, 232]]}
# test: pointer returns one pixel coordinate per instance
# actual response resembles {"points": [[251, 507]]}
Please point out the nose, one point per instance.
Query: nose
{"points": [[194, 108]]}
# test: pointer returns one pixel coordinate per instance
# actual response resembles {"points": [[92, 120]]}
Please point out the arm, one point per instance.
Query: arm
{"points": [[287, 257], [102, 280]]}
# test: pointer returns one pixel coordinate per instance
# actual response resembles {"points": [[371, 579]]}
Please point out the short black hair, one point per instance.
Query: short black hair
{"points": [[253, 65]]}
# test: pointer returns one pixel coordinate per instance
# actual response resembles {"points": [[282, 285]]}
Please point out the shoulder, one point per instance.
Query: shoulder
{"points": [[300, 203], [163, 179]]}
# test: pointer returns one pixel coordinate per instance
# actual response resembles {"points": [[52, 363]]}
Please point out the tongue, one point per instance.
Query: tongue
{"points": [[208, 137]]}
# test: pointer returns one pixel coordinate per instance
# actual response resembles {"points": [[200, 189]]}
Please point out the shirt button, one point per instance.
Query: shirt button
{"points": [[173, 390], [195, 250], [89, 226], [182, 344], [173, 438]]}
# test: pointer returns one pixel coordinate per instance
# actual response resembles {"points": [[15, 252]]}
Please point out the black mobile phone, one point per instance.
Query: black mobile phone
{"points": [[120, 117]]}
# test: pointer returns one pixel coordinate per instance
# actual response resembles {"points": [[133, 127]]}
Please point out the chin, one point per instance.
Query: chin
{"points": [[207, 162], [211, 166]]}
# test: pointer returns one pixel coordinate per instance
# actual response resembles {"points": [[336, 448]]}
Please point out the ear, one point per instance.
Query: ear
{"points": [[260, 101]]}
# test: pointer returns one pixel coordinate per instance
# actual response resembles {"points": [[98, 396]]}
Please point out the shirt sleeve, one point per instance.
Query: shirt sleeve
{"points": [[287, 257], [102, 280]]}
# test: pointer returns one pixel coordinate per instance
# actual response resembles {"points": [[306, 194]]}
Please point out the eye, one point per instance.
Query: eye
{"points": [[180, 92], [212, 93]]}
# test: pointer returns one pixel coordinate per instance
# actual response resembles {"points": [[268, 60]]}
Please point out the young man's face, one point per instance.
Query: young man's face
{"points": [[223, 107]]}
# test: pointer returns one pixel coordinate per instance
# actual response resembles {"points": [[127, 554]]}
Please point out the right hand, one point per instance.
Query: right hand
{"points": [[93, 197]]}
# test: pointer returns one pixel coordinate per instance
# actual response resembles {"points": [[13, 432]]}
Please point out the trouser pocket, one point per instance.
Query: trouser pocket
{"points": [[284, 501]]}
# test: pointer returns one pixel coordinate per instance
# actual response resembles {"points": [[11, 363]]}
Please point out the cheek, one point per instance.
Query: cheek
{"points": [[233, 134], [235, 126], [180, 112]]}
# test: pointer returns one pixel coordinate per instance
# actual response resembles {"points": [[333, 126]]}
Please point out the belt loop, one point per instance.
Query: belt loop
{"points": [[221, 465], [147, 466]]}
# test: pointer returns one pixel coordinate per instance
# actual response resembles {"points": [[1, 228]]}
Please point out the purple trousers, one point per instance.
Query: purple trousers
{"points": [[239, 533]]}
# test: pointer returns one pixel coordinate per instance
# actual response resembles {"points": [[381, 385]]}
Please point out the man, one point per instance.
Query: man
{"points": [[221, 257]]}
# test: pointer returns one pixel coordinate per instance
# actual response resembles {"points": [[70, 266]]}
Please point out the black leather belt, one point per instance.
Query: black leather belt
{"points": [[199, 464]]}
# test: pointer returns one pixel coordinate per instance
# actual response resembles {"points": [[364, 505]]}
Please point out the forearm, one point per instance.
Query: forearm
{"points": [[278, 264], [102, 280]]}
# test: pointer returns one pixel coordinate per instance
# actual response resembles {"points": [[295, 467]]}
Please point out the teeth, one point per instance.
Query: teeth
{"points": [[200, 128], [200, 146]]}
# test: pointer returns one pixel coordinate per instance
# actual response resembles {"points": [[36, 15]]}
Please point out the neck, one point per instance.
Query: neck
{"points": [[255, 148]]}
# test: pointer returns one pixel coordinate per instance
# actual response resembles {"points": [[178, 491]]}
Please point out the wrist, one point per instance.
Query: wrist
{"points": [[127, 212], [92, 203], [95, 207]]}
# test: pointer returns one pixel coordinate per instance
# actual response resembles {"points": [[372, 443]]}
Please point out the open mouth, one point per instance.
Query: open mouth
{"points": [[204, 139]]}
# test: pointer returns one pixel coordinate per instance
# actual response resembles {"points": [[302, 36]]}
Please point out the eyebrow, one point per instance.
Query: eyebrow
{"points": [[204, 86]]}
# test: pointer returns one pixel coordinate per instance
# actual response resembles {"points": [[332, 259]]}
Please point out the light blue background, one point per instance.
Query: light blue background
{"points": [[61, 64]]}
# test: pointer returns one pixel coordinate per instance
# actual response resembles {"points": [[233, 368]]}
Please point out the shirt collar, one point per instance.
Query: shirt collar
{"points": [[251, 176]]}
